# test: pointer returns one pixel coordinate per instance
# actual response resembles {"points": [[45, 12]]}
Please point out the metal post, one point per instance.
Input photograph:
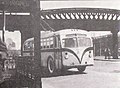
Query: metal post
{"points": [[4, 25], [22, 40], [94, 48], [100, 47]]}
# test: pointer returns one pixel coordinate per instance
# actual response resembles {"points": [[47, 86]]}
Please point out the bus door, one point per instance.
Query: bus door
{"points": [[58, 53]]}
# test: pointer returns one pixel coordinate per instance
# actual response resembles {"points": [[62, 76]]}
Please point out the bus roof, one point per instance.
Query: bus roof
{"points": [[68, 32], [63, 32], [47, 34]]}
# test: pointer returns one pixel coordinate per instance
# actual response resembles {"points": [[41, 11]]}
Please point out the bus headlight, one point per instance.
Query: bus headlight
{"points": [[66, 55], [90, 54]]}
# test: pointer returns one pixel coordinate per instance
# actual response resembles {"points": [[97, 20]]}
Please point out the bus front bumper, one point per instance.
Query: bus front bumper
{"points": [[76, 66]]}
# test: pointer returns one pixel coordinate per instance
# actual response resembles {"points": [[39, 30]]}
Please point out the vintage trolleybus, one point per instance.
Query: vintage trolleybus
{"points": [[64, 49]]}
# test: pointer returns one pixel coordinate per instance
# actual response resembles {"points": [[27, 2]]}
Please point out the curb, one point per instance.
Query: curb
{"points": [[107, 59]]}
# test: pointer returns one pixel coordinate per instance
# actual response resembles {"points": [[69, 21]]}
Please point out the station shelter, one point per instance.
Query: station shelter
{"points": [[27, 17]]}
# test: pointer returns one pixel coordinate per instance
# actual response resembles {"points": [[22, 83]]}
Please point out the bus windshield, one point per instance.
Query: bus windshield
{"points": [[29, 46], [69, 42], [82, 41]]}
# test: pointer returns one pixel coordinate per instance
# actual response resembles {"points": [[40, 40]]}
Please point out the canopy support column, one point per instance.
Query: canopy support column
{"points": [[115, 44], [36, 28]]}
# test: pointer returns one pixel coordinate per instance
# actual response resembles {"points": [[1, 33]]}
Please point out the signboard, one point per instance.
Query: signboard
{"points": [[17, 5]]}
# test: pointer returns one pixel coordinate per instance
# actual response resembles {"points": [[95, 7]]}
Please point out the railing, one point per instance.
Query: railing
{"points": [[25, 66]]}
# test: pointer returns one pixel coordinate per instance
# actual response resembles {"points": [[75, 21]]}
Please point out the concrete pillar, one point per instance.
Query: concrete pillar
{"points": [[115, 44], [36, 28]]}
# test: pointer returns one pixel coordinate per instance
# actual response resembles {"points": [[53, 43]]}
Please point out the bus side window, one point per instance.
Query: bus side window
{"points": [[44, 43], [51, 42], [51, 46], [57, 43], [41, 45], [48, 43]]}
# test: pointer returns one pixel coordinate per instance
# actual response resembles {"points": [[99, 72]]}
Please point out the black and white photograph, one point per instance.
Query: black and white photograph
{"points": [[59, 44]]}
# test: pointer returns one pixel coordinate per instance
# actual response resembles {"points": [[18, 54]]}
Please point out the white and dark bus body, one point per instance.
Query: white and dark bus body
{"points": [[63, 50]]}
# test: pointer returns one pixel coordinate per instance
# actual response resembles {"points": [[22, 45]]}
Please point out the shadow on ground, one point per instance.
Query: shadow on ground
{"points": [[25, 82], [65, 73]]}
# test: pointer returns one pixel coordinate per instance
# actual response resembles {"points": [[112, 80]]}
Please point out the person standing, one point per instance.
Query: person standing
{"points": [[107, 53]]}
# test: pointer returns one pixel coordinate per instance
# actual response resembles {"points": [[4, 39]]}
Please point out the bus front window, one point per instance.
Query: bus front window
{"points": [[28, 46], [69, 42], [82, 41]]}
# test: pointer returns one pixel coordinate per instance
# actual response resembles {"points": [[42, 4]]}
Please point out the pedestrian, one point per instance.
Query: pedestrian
{"points": [[107, 53]]}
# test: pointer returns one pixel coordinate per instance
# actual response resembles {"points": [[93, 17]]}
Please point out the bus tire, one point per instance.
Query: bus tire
{"points": [[81, 68], [50, 66]]}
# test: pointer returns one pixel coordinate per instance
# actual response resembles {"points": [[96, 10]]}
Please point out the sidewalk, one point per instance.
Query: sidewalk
{"points": [[102, 58], [45, 85]]}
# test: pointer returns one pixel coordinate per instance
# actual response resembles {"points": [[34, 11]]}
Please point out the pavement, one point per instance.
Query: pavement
{"points": [[102, 58], [47, 85]]}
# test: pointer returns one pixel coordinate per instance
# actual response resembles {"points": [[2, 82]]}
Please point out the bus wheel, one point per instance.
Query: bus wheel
{"points": [[81, 69], [50, 65]]}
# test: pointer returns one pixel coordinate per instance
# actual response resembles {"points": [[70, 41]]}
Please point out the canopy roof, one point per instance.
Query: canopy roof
{"points": [[90, 19]]}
